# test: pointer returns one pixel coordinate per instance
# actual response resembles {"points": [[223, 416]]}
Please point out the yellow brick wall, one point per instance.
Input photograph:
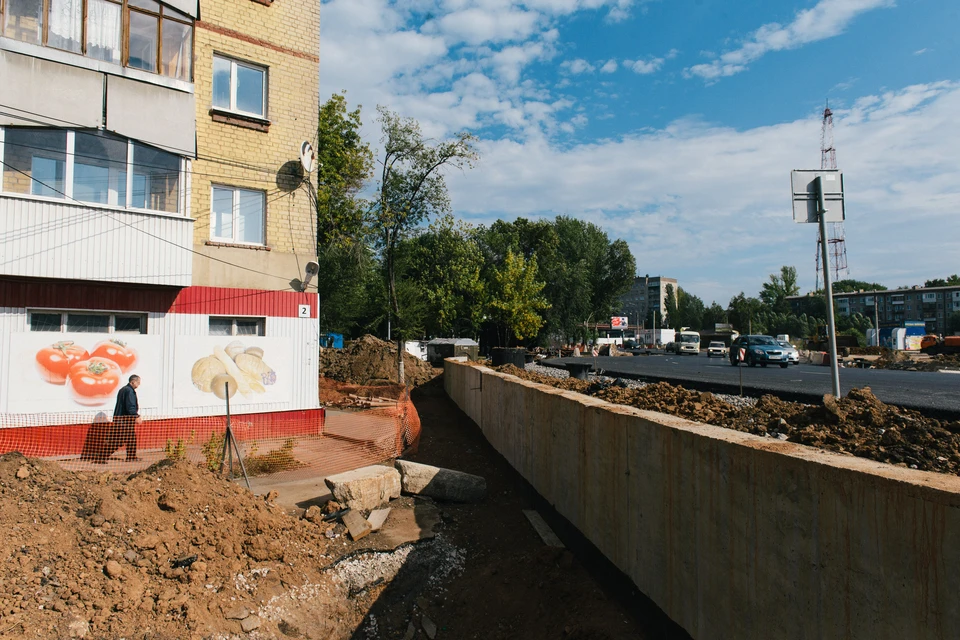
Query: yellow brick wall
{"points": [[241, 157]]}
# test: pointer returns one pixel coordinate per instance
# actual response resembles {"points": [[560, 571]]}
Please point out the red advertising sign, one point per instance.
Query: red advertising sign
{"points": [[618, 322]]}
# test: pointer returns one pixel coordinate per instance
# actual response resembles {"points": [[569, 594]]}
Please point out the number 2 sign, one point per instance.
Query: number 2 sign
{"points": [[303, 311]]}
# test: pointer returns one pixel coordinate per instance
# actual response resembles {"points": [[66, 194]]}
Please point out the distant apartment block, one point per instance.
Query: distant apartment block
{"points": [[648, 293], [894, 307]]}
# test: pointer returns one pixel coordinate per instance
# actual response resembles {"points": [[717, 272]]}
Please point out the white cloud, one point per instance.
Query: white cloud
{"points": [[694, 199], [609, 66], [577, 66], [920, 52], [826, 19], [651, 65]]}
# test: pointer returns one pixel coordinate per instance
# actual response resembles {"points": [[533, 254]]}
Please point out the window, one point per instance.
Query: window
{"points": [[83, 322], [239, 86], [236, 326], [36, 162], [142, 34], [237, 216], [23, 20]]}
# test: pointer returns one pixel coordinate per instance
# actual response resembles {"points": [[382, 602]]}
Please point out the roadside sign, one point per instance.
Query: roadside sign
{"points": [[618, 322], [806, 207], [743, 354]]}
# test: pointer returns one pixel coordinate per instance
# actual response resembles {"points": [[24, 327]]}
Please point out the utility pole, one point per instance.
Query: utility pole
{"points": [[828, 287], [876, 319]]}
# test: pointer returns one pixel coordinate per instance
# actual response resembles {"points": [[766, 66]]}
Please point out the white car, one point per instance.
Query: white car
{"points": [[790, 353], [716, 348]]}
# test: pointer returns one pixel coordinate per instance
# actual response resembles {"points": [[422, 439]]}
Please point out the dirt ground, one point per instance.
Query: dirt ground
{"points": [[371, 361], [858, 424], [177, 552]]}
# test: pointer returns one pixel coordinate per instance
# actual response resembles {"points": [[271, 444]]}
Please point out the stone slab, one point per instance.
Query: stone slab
{"points": [[440, 484], [366, 488], [377, 517], [356, 524], [543, 529]]}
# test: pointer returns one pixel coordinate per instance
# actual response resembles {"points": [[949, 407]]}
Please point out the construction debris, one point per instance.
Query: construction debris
{"points": [[440, 484], [365, 488], [356, 524], [377, 517], [543, 529]]}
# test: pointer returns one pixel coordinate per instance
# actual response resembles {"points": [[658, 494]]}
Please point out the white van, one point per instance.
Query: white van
{"points": [[687, 342]]}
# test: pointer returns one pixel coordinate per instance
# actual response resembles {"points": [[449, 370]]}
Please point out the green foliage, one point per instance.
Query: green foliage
{"points": [[671, 319], [177, 451], [446, 263], [774, 293], [850, 286], [745, 314], [411, 190], [212, 451], [281, 459], [712, 316], [515, 298], [344, 164], [349, 286], [950, 281]]}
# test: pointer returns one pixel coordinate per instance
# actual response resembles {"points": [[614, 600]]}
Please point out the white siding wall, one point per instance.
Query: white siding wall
{"points": [[45, 239], [301, 332]]}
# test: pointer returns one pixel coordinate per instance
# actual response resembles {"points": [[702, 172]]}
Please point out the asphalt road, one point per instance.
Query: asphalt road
{"points": [[930, 392]]}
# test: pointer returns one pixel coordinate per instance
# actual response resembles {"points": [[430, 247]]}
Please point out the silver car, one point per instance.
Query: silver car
{"points": [[790, 353]]}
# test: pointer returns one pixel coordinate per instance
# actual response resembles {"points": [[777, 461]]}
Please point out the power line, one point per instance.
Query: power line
{"points": [[147, 233], [185, 152]]}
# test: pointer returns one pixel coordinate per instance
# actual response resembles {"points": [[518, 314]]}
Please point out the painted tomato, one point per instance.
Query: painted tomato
{"points": [[94, 381], [54, 362], [118, 351]]}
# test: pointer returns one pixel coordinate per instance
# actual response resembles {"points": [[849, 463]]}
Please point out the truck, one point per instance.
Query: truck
{"points": [[655, 337], [934, 345]]}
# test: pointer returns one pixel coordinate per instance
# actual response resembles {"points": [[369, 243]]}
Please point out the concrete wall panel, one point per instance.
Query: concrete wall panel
{"points": [[733, 535]]}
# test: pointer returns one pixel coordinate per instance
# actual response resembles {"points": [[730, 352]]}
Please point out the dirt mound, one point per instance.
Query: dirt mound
{"points": [[901, 361], [344, 395], [371, 361], [858, 424], [170, 552]]}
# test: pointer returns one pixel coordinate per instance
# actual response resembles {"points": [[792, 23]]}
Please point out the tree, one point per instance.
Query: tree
{"points": [[712, 316], [744, 314], [850, 286], [690, 310], [950, 281], [446, 264], [516, 298], [774, 293], [411, 190], [670, 309], [344, 164]]}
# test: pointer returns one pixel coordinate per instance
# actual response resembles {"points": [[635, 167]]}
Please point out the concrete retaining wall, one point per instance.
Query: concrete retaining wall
{"points": [[734, 536]]}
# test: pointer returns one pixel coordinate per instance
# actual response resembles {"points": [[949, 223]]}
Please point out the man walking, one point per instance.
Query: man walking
{"points": [[125, 417]]}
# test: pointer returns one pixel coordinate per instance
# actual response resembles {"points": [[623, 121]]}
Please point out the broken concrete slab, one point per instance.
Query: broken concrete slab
{"points": [[365, 488], [377, 517], [356, 524], [440, 484], [429, 627], [546, 533]]}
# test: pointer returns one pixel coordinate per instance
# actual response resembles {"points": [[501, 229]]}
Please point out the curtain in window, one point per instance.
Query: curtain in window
{"points": [[103, 31], [66, 25]]}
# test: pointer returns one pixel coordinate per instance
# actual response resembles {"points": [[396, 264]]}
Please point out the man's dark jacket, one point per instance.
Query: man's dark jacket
{"points": [[127, 404]]}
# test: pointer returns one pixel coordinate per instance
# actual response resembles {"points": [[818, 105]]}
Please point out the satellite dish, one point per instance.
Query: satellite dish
{"points": [[311, 270], [308, 157]]}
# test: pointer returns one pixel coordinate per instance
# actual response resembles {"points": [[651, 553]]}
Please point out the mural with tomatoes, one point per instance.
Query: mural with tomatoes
{"points": [[69, 372]]}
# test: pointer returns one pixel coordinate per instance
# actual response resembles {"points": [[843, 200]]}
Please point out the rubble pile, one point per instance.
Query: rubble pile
{"points": [[371, 361], [858, 424]]}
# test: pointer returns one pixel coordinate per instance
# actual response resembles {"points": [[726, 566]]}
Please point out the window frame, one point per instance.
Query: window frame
{"points": [[265, 87], [130, 169], [163, 13], [111, 322], [235, 210], [260, 320]]}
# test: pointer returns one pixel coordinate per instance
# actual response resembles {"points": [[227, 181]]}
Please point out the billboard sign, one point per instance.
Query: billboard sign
{"points": [[259, 367], [618, 322], [806, 204], [69, 372]]}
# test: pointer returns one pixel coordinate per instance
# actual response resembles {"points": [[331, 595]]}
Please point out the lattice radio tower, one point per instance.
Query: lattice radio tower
{"points": [[836, 244]]}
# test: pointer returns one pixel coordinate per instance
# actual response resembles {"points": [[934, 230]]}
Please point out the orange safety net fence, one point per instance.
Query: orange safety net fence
{"points": [[286, 445]]}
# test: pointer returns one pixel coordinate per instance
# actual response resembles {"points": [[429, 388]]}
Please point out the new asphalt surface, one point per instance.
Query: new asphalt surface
{"points": [[931, 393]]}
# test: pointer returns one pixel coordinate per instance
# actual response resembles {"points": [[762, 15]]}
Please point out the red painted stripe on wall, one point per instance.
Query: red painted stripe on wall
{"points": [[38, 293]]}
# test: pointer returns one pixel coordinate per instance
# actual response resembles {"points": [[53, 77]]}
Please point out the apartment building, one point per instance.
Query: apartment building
{"points": [[153, 201], [648, 293], [894, 307]]}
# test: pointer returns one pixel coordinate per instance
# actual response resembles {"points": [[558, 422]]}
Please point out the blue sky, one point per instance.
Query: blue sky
{"points": [[674, 124]]}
